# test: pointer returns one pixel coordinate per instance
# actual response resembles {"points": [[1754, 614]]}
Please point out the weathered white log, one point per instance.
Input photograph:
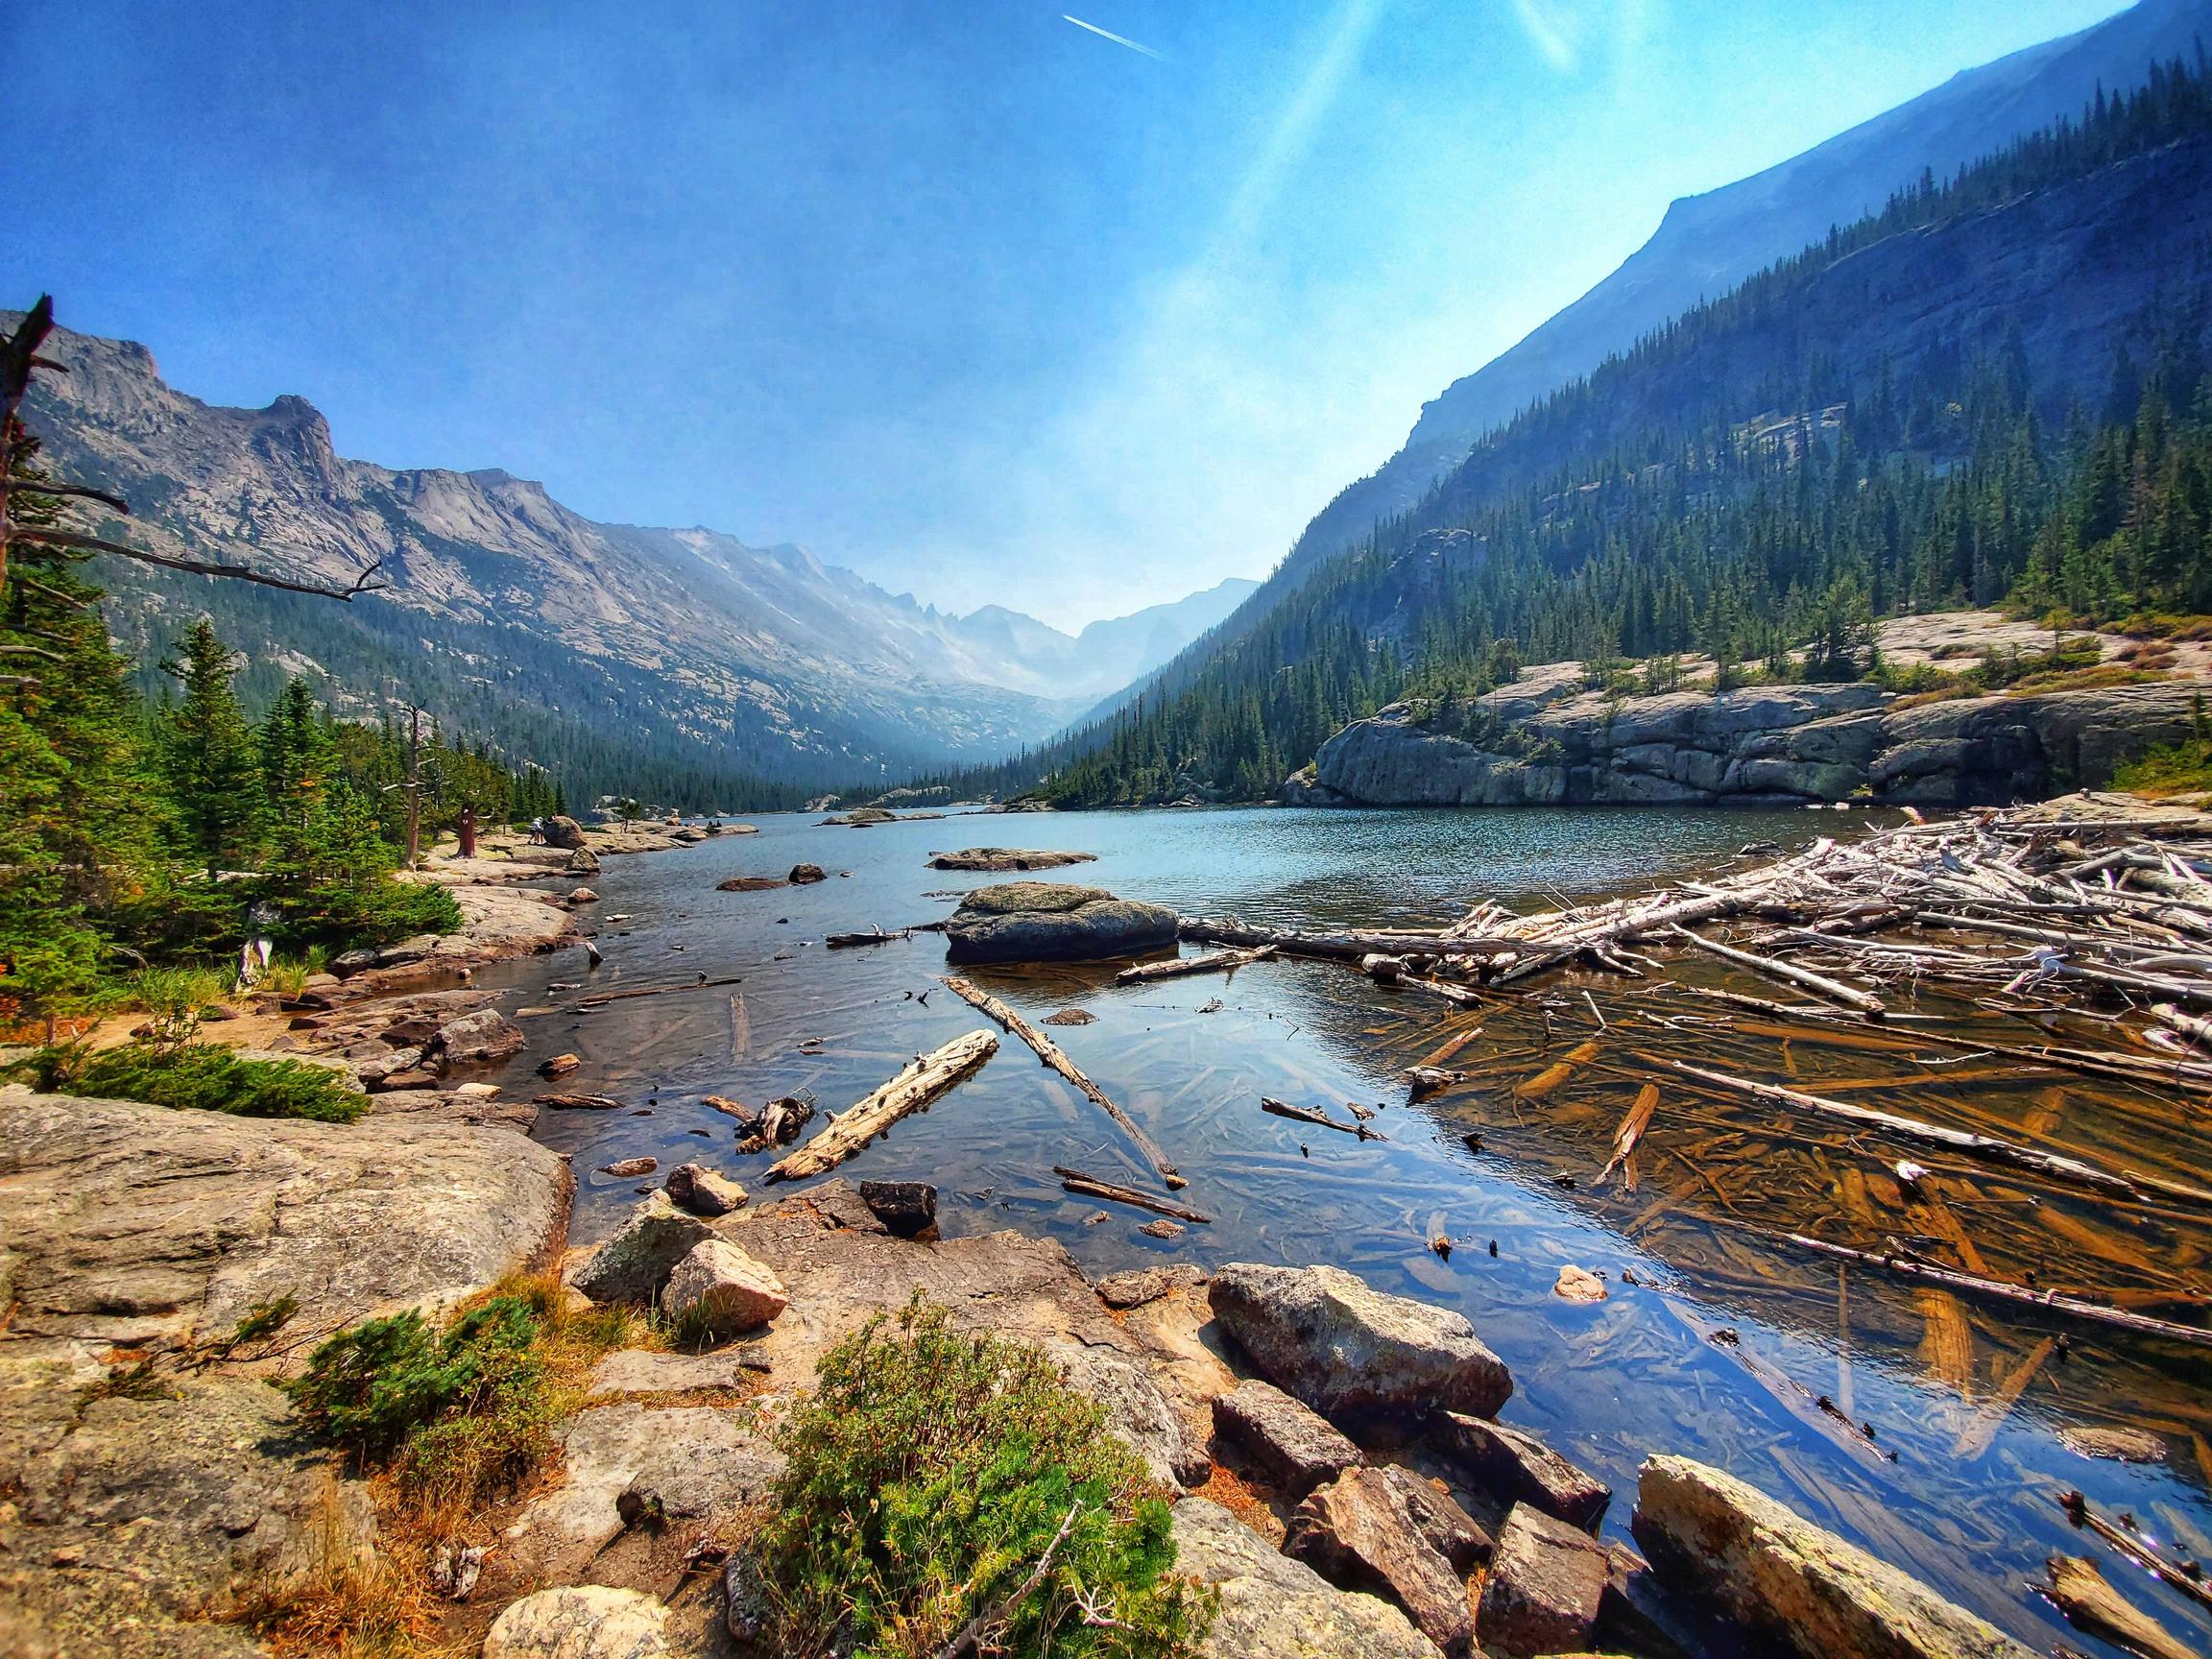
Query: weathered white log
{"points": [[1052, 1054], [1820, 984], [922, 1081], [2195, 1028], [1211, 962]]}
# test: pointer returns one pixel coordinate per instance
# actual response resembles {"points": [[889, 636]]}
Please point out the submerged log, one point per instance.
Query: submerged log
{"points": [[1352, 946], [702, 983], [1983, 1148], [1211, 962], [578, 1102], [922, 1081], [1992, 1290], [2090, 1603], [1306, 1115], [1050, 1053], [1091, 1187], [1625, 1138]]}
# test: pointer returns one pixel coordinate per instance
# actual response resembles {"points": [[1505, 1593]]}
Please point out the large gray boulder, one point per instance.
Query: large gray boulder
{"points": [[1766, 1567], [1053, 922], [1273, 1607], [127, 1223], [633, 1265], [1341, 1346]]}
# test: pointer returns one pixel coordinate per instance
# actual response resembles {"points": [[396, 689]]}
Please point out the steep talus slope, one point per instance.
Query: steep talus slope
{"points": [[1709, 243], [508, 611]]}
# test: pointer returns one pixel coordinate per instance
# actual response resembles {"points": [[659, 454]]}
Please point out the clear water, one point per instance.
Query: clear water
{"points": [[1968, 1500]]}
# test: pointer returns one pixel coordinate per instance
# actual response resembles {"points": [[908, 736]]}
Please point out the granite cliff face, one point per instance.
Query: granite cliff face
{"points": [[1550, 743]]}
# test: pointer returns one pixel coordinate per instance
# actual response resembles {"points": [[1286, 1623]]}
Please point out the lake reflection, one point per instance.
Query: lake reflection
{"points": [[1960, 1480]]}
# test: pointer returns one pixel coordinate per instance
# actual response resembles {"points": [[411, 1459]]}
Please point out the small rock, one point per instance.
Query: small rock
{"points": [[1298, 1448], [746, 1607], [580, 1621], [583, 896], [477, 1090], [805, 874], [395, 1081], [1360, 1531], [634, 1263], [2120, 1445], [455, 1567], [695, 1187], [1579, 1285], [1545, 1584], [1141, 1284], [732, 1293], [484, 1038], [560, 1065], [627, 1166], [746, 884], [1517, 1468], [1071, 1016], [1340, 1345], [1161, 1229], [905, 1208], [1096, 1218]]}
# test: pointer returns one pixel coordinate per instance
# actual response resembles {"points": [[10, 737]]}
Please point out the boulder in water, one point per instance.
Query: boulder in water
{"points": [[1051, 922]]}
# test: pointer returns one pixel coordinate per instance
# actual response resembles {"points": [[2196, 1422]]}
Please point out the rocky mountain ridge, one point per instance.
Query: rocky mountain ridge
{"points": [[1709, 243], [511, 613]]}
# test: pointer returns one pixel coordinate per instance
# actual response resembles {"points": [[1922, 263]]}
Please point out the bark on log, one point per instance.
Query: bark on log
{"points": [[1091, 1187], [922, 1081], [1211, 962], [1306, 1115], [1052, 1054]]}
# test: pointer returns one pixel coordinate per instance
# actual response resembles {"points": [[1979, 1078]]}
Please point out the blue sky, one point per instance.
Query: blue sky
{"points": [[980, 302]]}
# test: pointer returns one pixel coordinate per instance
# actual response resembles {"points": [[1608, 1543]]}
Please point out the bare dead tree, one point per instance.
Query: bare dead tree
{"points": [[19, 361]]}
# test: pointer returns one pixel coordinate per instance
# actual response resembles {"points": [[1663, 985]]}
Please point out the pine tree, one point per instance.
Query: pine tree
{"points": [[208, 754]]}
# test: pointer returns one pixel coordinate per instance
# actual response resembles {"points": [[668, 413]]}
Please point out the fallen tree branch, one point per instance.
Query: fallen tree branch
{"points": [[1091, 1187], [921, 1082], [1211, 962], [1820, 984], [1306, 1115], [1052, 1055]]}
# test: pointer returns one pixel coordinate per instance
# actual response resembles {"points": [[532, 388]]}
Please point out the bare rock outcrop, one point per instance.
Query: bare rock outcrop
{"points": [[1273, 1607], [1763, 1566], [1054, 922], [1341, 1346]]}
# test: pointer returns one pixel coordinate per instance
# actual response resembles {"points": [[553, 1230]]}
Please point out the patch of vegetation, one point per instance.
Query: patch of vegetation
{"points": [[2173, 769], [370, 1389], [197, 1076], [937, 1479]]}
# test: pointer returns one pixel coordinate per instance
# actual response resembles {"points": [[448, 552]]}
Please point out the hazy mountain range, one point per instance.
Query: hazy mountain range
{"points": [[571, 642]]}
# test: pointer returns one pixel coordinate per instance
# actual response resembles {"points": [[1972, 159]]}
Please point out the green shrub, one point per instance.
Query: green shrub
{"points": [[198, 1077], [930, 1476], [373, 1386]]}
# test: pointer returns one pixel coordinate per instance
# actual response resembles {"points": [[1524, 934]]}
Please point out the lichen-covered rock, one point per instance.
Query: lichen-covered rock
{"points": [[1774, 1571], [1137, 1410], [1364, 1530], [1053, 922], [1273, 1607], [634, 1263], [1296, 1447], [1341, 1346], [580, 1621], [726, 1290], [484, 1038], [131, 1223], [1545, 1582]]}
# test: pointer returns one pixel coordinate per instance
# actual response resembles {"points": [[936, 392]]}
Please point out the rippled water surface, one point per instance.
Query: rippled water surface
{"points": [[1959, 1479]]}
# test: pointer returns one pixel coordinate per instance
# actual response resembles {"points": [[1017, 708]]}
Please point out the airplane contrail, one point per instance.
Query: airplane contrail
{"points": [[1118, 39]]}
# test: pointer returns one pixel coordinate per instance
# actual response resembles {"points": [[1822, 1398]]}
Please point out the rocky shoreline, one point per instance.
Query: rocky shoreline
{"points": [[1552, 742], [1341, 1473]]}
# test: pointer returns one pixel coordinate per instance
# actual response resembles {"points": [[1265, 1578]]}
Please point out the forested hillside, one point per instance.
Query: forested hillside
{"points": [[1992, 390]]}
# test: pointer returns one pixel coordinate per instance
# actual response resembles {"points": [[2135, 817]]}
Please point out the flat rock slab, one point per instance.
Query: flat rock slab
{"points": [[697, 1460], [580, 1621], [1273, 1607], [124, 1222], [135, 1523], [1765, 1566], [1002, 858], [1545, 1582], [1296, 1447], [1517, 1468], [453, 1106], [1139, 1286], [1380, 1531], [648, 1370], [1339, 1345], [1048, 921]]}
